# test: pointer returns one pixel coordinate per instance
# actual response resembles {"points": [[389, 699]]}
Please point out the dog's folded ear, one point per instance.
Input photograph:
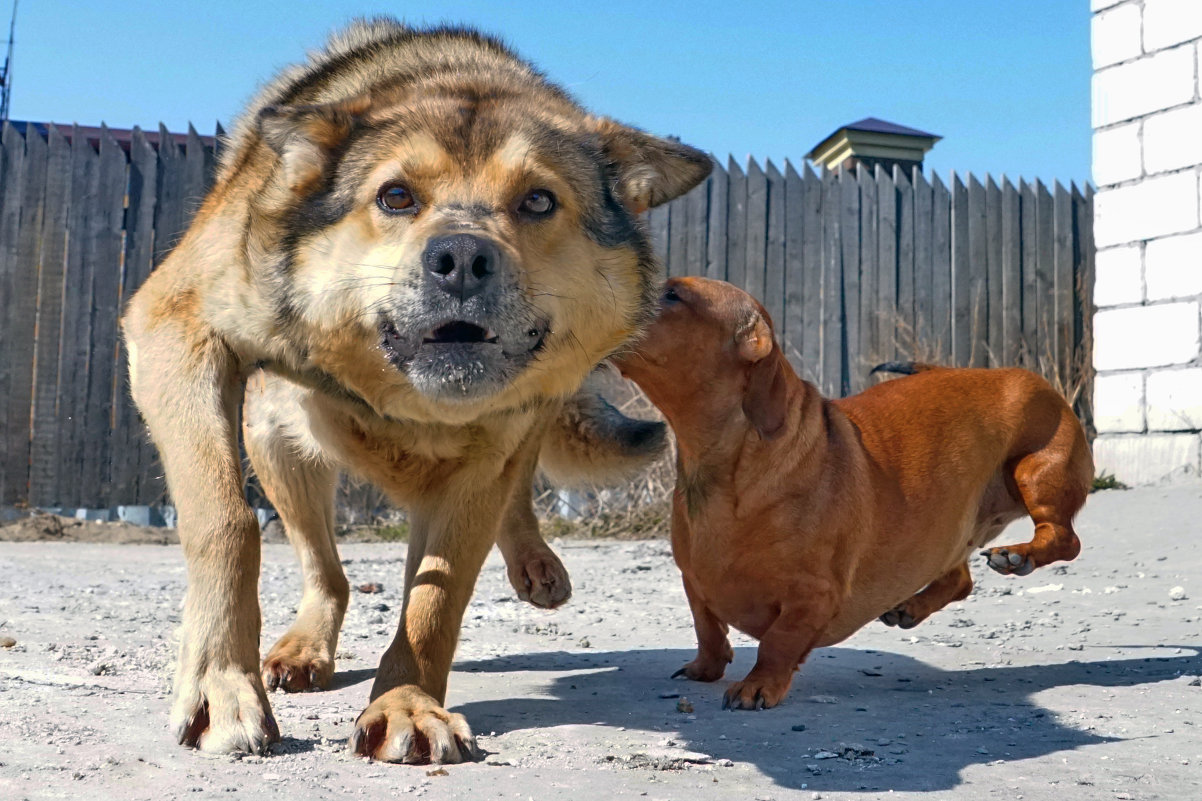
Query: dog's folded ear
{"points": [[650, 170], [764, 399], [305, 137]]}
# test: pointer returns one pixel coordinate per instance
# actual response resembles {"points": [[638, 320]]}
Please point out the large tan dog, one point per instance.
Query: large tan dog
{"points": [[798, 519], [416, 250]]}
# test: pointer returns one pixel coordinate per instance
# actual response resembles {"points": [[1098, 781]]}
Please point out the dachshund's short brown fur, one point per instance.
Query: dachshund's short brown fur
{"points": [[798, 519]]}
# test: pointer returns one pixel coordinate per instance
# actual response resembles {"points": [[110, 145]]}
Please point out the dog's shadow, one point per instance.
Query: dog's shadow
{"points": [[923, 725]]}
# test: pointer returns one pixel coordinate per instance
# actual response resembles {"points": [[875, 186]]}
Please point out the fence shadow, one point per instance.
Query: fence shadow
{"points": [[942, 720]]}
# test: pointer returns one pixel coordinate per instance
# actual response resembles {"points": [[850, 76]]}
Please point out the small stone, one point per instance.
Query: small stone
{"points": [[7, 642], [1196, 682], [1177, 594], [798, 727], [684, 706], [669, 695], [584, 643], [99, 667], [724, 763], [825, 755], [370, 587]]}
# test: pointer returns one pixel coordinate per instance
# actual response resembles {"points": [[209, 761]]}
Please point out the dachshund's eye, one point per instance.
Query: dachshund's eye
{"points": [[670, 296], [395, 197], [538, 203]]}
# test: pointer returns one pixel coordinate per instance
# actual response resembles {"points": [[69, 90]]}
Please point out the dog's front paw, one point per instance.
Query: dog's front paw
{"points": [[1011, 559], [754, 693], [407, 725], [298, 662], [540, 578], [223, 711]]}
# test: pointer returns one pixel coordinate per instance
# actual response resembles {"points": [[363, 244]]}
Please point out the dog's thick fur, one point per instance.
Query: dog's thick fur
{"points": [[798, 519], [415, 252]]}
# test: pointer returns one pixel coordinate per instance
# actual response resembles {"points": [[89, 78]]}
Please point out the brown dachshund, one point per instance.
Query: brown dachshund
{"points": [[798, 519]]}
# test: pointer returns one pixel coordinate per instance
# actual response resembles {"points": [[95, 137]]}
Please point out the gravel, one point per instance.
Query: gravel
{"points": [[1086, 691]]}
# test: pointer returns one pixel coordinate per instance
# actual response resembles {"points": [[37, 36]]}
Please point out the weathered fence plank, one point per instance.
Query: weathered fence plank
{"points": [[870, 316], [993, 259], [941, 271], [1011, 289], [792, 326], [45, 436], [77, 321], [18, 345], [12, 148], [678, 232], [924, 278], [697, 201], [904, 317], [961, 275], [855, 375], [757, 229], [774, 250], [1030, 259], [104, 252], [736, 225], [833, 342], [978, 273], [1045, 277], [886, 284], [715, 254], [1063, 284], [811, 249]]}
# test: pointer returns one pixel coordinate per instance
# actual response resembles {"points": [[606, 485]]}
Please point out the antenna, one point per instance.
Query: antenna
{"points": [[6, 72]]}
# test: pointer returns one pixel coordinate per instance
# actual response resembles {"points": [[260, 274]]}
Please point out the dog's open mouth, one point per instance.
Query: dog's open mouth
{"points": [[460, 333]]}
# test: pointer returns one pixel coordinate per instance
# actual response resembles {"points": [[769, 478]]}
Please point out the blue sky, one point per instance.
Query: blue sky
{"points": [[1005, 82]]}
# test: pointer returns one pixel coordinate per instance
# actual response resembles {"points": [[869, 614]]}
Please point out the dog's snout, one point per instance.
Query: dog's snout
{"points": [[461, 264]]}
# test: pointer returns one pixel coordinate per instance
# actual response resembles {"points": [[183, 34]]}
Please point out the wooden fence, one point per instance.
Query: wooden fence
{"points": [[854, 268]]}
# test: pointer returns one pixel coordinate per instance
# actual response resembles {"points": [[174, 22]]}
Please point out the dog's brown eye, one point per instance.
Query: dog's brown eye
{"points": [[395, 197], [670, 296], [538, 203]]}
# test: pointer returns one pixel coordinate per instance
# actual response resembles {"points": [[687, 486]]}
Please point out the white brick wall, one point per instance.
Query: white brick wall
{"points": [[1173, 266], [1170, 22], [1139, 87], [1166, 204], [1147, 165]]}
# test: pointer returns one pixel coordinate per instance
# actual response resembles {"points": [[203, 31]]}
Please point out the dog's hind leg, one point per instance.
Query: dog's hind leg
{"points": [[954, 585], [1053, 483], [300, 485]]}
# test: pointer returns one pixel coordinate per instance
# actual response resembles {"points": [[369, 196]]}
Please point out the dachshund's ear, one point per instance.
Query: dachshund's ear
{"points": [[764, 399]]}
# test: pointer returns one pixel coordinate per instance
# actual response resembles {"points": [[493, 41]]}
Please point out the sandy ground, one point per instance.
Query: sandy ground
{"points": [[1078, 682]]}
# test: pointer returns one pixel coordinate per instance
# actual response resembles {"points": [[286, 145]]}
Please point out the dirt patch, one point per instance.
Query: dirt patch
{"points": [[43, 527]]}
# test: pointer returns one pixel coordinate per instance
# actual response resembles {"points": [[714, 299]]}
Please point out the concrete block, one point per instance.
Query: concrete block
{"points": [[1139, 87], [1145, 336], [1170, 22], [1114, 35], [1118, 276], [1154, 207], [1173, 267], [1138, 459], [1117, 154], [1173, 139], [1118, 401], [1174, 400]]}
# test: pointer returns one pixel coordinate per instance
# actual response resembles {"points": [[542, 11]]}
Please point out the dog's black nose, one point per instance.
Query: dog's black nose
{"points": [[461, 264]]}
